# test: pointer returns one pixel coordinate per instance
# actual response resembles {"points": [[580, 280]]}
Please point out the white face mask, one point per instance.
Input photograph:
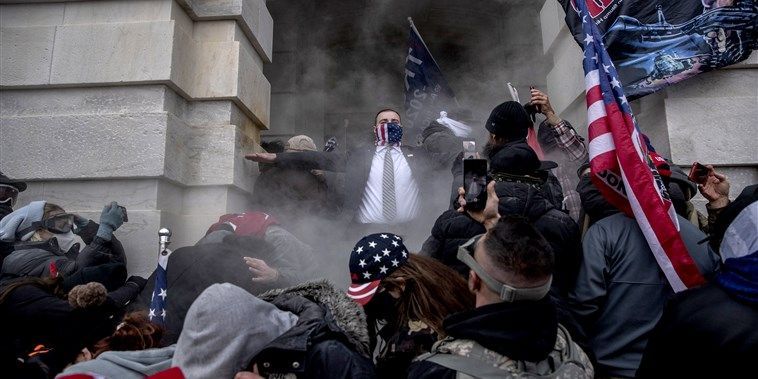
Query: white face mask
{"points": [[67, 240]]}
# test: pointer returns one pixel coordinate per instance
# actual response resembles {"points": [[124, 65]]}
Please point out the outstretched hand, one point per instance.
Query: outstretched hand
{"points": [[261, 157], [262, 272], [487, 216]]}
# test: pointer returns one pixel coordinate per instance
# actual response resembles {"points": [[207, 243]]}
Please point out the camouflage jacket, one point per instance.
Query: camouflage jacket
{"points": [[567, 360]]}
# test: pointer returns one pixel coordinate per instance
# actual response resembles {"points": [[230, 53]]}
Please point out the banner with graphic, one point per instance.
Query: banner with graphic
{"points": [[657, 43]]}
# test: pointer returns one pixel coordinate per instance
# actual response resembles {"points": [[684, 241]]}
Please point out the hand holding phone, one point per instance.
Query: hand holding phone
{"points": [[698, 173], [475, 183]]}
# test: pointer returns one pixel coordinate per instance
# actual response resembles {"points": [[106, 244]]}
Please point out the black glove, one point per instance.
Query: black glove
{"points": [[137, 281]]}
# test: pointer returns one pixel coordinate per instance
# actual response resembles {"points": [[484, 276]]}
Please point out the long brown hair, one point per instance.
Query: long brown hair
{"points": [[135, 332], [432, 291], [51, 285]]}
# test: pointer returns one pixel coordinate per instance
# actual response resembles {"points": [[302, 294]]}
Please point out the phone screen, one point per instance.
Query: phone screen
{"points": [[475, 183], [698, 173], [469, 149]]}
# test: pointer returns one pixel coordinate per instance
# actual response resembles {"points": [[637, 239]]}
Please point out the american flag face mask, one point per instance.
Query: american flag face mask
{"points": [[389, 133]]}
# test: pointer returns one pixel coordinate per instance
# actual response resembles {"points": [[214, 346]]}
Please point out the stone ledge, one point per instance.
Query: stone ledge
{"points": [[252, 15]]}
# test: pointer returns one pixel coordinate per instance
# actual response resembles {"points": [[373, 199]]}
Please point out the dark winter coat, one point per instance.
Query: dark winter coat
{"points": [[452, 229], [291, 192], [330, 339], [523, 331], [34, 259], [31, 315], [706, 333], [192, 269], [620, 291]]}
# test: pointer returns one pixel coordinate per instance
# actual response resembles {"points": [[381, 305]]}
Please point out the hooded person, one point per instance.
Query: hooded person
{"points": [[406, 297], [717, 322], [45, 244], [225, 328], [249, 250], [329, 339]]}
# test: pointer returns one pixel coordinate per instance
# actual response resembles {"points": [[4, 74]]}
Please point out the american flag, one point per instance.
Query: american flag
{"points": [[158, 301], [621, 167], [384, 135]]}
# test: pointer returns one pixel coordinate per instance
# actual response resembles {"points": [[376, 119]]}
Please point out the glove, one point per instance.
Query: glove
{"points": [[111, 218], [80, 222], [138, 281]]}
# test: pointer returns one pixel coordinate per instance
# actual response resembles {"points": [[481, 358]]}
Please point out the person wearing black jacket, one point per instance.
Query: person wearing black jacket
{"points": [[712, 331], [330, 339], [9, 190], [41, 331], [383, 182], [514, 328]]}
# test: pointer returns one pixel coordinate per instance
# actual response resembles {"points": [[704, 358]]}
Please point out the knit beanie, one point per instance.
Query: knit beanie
{"points": [[509, 120], [300, 143]]}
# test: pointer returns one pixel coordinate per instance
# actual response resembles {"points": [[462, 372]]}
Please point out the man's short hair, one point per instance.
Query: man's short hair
{"points": [[386, 110], [515, 246]]}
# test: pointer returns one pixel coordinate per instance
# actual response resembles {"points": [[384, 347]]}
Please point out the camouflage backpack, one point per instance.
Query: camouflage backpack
{"points": [[472, 360]]}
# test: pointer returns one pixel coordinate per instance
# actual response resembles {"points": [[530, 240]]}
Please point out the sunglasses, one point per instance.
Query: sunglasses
{"points": [[506, 292], [8, 193]]}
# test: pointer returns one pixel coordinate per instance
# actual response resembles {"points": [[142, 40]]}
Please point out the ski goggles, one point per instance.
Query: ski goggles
{"points": [[506, 292], [8, 194], [61, 223]]}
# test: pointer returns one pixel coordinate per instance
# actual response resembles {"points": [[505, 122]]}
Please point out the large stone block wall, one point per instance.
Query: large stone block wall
{"points": [[149, 103], [709, 118]]}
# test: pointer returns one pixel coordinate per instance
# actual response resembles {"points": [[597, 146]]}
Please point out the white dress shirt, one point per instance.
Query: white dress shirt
{"points": [[406, 190]]}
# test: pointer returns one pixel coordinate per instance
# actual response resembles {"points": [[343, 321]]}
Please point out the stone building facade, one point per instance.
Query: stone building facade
{"points": [[153, 103]]}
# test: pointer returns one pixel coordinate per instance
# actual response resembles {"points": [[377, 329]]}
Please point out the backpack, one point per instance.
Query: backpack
{"points": [[472, 360]]}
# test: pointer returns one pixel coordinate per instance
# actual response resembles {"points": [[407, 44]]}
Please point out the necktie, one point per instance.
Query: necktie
{"points": [[388, 186]]}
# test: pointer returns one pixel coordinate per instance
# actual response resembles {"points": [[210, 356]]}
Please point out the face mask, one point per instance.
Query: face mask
{"points": [[67, 240], [390, 133], [382, 307]]}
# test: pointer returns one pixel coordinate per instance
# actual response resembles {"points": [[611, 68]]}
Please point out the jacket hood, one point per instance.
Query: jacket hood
{"points": [[520, 330], [347, 315], [126, 364], [17, 226], [593, 203], [230, 324], [515, 158], [522, 199]]}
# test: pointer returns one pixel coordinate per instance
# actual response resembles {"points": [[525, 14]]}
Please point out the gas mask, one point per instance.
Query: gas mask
{"points": [[67, 240]]}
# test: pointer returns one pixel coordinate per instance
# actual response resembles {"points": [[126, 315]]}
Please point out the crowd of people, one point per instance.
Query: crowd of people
{"points": [[336, 271]]}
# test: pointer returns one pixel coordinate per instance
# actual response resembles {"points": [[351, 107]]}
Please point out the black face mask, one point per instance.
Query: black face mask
{"points": [[5, 209], [382, 307]]}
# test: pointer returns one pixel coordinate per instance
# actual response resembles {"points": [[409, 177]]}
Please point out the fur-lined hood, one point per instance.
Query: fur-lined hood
{"points": [[347, 314]]}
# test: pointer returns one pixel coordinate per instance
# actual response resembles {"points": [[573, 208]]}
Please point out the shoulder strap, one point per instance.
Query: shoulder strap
{"points": [[469, 366]]}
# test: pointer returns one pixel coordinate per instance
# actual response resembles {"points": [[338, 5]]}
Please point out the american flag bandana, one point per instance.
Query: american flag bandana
{"points": [[157, 312], [621, 166], [390, 133]]}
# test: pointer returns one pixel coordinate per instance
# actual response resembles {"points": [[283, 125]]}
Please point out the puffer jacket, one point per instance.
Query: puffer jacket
{"points": [[453, 229], [330, 339], [35, 259]]}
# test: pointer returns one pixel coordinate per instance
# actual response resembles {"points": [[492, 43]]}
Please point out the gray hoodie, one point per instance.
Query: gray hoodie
{"points": [[224, 329], [125, 364]]}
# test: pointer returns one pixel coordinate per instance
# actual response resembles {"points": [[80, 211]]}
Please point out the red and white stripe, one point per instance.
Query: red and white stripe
{"points": [[619, 168], [382, 135], [362, 293]]}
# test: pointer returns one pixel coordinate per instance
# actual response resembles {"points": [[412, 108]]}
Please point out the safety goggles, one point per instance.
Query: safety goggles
{"points": [[8, 194], [507, 293], [62, 223]]}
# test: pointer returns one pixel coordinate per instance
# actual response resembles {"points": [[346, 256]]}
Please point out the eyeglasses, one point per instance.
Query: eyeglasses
{"points": [[506, 292], [8, 193], [61, 223]]}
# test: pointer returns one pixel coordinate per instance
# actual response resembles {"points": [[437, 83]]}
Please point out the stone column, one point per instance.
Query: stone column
{"points": [[149, 103], [709, 118]]}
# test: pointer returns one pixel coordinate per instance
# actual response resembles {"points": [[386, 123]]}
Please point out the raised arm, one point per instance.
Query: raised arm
{"points": [[307, 160]]}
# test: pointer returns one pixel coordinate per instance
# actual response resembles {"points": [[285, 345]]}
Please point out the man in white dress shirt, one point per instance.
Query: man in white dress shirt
{"points": [[382, 181]]}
